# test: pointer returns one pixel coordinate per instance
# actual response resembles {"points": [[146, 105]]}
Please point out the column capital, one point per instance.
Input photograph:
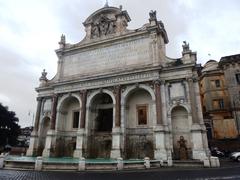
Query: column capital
{"points": [[117, 89], [193, 79], [39, 98], [159, 82], [83, 91]]}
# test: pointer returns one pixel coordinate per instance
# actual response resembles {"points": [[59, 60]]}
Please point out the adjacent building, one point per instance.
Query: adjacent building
{"points": [[220, 95], [117, 94], [24, 136], [231, 68]]}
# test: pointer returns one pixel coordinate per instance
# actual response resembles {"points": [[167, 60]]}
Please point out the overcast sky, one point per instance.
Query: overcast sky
{"points": [[30, 31]]}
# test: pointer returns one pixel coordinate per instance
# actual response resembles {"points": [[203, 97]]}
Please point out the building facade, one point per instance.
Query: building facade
{"points": [[117, 94], [231, 68], [216, 104], [219, 88]]}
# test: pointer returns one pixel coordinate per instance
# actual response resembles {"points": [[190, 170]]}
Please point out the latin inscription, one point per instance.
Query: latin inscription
{"points": [[127, 54]]}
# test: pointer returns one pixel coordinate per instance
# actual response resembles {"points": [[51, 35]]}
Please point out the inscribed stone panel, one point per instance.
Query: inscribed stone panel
{"points": [[117, 56], [177, 90]]}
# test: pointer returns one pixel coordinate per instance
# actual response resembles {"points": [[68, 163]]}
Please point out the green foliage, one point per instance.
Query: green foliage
{"points": [[9, 129]]}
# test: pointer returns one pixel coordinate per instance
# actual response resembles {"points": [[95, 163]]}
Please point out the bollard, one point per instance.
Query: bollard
{"points": [[38, 163], [214, 161], [161, 163], [206, 163], [119, 163], [1, 161], [147, 162], [170, 162], [82, 164]]}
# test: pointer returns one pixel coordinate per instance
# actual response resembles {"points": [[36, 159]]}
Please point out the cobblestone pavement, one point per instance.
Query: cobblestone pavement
{"points": [[228, 171]]}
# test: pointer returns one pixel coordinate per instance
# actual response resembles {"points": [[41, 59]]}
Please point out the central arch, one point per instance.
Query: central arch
{"points": [[100, 125]]}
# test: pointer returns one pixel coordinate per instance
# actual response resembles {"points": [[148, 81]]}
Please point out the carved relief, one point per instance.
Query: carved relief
{"points": [[103, 26]]}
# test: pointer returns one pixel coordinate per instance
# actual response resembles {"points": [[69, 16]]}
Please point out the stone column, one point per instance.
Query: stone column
{"points": [[81, 129], [54, 111], [32, 150], [159, 131], [157, 88], [117, 93], [38, 114], [164, 103], [116, 131], [51, 134], [83, 95]]}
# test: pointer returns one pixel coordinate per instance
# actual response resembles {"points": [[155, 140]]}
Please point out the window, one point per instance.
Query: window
{"points": [[238, 78], [142, 114], [218, 104], [217, 83], [75, 119], [221, 103]]}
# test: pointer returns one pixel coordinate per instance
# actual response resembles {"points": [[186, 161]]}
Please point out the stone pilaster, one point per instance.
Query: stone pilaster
{"points": [[159, 131], [116, 131], [198, 147], [78, 153], [32, 150], [192, 100]]}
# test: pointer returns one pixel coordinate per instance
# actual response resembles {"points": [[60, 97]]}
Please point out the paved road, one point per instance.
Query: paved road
{"points": [[225, 173]]}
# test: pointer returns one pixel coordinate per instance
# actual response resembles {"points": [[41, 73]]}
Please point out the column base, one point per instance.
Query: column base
{"points": [[46, 153], [161, 154], [32, 150], [116, 143], [115, 153], [198, 151], [79, 145], [49, 143], [77, 153], [199, 155], [160, 151]]}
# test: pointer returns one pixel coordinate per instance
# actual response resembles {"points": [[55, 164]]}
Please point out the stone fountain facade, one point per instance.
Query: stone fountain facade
{"points": [[117, 94]]}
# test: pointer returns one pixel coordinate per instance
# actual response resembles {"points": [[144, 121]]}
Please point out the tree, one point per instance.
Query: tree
{"points": [[9, 129]]}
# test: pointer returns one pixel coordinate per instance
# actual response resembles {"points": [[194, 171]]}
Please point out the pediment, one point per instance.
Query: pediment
{"points": [[106, 21]]}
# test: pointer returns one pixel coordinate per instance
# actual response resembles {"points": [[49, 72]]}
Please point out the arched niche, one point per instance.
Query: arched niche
{"points": [[68, 116], [139, 120], [180, 127]]}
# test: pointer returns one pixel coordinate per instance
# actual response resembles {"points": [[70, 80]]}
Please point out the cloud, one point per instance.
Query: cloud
{"points": [[30, 31], [4, 98]]}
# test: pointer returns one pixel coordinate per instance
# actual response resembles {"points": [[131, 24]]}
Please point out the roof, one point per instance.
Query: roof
{"points": [[210, 66], [229, 59]]}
